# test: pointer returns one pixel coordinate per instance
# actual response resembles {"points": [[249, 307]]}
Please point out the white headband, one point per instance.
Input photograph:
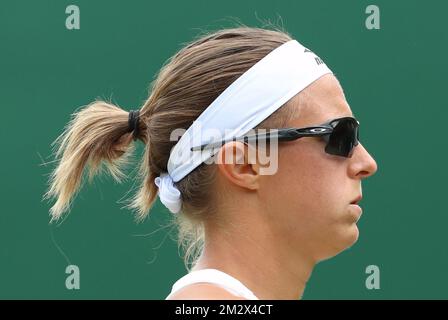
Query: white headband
{"points": [[249, 100]]}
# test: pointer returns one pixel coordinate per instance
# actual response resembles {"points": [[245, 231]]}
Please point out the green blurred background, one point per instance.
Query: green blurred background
{"points": [[393, 79]]}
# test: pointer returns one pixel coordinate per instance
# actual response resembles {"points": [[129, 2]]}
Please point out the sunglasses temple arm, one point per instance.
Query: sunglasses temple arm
{"points": [[250, 138], [286, 134]]}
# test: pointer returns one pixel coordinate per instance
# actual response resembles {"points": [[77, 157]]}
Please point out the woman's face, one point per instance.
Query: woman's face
{"points": [[309, 196]]}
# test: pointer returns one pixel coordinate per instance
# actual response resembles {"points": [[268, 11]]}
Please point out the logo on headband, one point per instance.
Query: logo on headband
{"points": [[318, 60]]}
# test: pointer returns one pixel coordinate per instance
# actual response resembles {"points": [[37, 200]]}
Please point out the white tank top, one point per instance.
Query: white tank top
{"points": [[217, 278]]}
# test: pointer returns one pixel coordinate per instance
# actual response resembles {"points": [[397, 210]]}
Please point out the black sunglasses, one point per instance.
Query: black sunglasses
{"points": [[341, 136]]}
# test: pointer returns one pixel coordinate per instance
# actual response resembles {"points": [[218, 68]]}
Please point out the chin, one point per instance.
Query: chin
{"points": [[354, 234], [345, 240]]}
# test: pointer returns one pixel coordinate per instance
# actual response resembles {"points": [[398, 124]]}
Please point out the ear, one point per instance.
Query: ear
{"points": [[237, 162]]}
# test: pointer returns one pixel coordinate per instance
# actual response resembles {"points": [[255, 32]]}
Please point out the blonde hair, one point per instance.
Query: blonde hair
{"points": [[98, 136]]}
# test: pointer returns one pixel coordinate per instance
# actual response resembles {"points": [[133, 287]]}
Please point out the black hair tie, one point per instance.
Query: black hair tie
{"points": [[134, 116]]}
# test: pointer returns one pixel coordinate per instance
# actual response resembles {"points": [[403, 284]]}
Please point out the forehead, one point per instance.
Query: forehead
{"points": [[321, 101]]}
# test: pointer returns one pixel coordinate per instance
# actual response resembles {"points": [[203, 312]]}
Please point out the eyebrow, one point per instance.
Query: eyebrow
{"points": [[342, 116]]}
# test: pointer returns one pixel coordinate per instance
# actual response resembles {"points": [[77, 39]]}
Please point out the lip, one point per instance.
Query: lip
{"points": [[356, 200], [357, 208]]}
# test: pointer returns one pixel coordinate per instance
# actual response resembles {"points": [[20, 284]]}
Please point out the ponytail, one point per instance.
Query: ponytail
{"points": [[97, 134]]}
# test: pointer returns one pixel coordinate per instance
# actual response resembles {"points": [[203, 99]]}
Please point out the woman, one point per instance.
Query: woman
{"points": [[252, 231]]}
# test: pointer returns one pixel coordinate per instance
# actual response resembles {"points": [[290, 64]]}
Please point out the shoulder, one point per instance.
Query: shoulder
{"points": [[203, 291]]}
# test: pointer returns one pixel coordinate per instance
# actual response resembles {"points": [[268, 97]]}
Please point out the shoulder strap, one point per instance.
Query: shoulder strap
{"points": [[215, 277]]}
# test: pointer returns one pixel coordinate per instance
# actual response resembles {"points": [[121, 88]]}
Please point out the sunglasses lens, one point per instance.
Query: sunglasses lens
{"points": [[343, 138]]}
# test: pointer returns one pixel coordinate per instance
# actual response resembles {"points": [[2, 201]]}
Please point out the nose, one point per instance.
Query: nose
{"points": [[362, 164]]}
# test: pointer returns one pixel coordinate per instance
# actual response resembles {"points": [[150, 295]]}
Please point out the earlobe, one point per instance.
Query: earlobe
{"points": [[237, 165]]}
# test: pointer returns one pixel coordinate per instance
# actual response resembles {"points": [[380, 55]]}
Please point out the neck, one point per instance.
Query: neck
{"points": [[265, 264]]}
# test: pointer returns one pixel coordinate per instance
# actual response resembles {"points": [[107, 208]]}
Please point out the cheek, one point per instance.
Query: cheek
{"points": [[307, 201], [308, 194], [309, 180]]}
